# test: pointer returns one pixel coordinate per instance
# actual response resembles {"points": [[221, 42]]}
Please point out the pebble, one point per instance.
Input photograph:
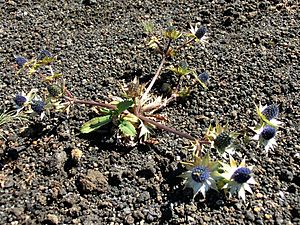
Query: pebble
{"points": [[52, 218], [93, 181], [250, 216]]}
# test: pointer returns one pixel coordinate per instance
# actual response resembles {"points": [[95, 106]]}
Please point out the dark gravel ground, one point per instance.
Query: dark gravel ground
{"points": [[252, 56]]}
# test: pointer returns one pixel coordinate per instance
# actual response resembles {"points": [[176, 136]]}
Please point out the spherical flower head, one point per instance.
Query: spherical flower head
{"points": [[241, 175], [20, 100], [21, 61], [222, 141], [237, 178], [268, 133], [200, 32], [166, 88], [200, 174], [38, 106], [271, 111], [43, 54], [54, 90], [203, 77]]}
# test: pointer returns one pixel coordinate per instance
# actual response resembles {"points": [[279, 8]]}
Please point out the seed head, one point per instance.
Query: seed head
{"points": [[38, 106], [203, 77], [166, 88], [268, 133], [241, 175], [43, 54], [21, 61], [271, 111], [222, 141], [200, 174], [20, 100], [200, 32], [54, 90]]}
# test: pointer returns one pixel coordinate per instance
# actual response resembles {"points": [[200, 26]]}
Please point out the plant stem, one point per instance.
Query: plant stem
{"points": [[163, 127], [186, 43], [92, 103], [144, 96]]}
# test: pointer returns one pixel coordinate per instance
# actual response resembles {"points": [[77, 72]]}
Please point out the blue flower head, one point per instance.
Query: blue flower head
{"points": [[21, 61], [200, 174], [268, 133], [271, 111], [241, 175], [38, 106], [200, 32], [203, 77], [43, 54], [20, 100]]}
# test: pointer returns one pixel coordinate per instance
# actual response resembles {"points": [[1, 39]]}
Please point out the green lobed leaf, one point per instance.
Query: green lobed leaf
{"points": [[127, 128], [122, 106], [95, 124]]}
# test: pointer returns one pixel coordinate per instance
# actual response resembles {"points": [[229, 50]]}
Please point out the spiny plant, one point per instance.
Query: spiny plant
{"points": [[135, 112]]}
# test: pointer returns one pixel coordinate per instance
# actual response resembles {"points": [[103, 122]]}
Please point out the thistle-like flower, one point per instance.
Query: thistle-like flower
{"points": [[268, 115], [38, 106], [20, 100], [204, 77], [166, 88], [237, 178], [221, 139], [44, 54], [200, 33], [266, 137], [21, 61], [201, 175], [54, 90]]}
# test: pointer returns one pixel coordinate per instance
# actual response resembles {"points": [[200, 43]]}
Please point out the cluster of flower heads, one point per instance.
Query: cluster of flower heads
{"points": [[267, 127], [203, 174], [30, 102], [234, 179], [21, 61], [221, 139]]}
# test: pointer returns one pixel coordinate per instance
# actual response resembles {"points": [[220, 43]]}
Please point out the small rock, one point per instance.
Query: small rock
{"points": [[52, 218], [138, 215], [18, 211], [129, 219], [127, 210], [250, 216], [76, 154], [286, 175], [55, 163], [119, 61], [251, 15], [93, 181]]}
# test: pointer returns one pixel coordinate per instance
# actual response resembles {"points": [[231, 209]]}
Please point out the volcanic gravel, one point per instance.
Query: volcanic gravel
{"points": [[252, 56]]}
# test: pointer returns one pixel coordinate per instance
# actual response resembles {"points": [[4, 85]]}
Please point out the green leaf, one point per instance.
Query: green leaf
{"points": [[172, 33], [264, 119], [201, 83], [105, 111], [148, 27], [95, 124], [122, 106], [127, 128]]}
